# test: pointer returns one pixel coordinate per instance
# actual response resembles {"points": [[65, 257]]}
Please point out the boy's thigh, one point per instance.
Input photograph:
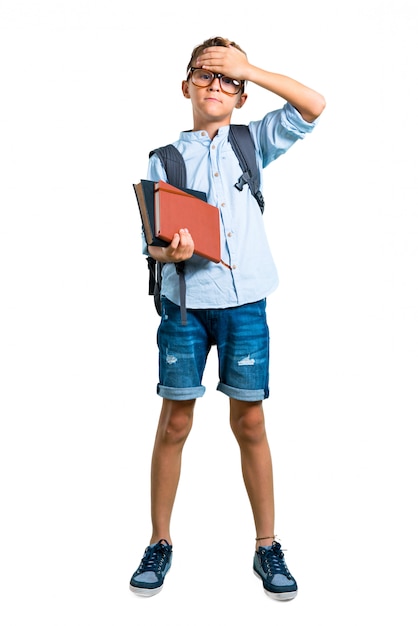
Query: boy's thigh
{"points": [[183, 351], [244, 352]]}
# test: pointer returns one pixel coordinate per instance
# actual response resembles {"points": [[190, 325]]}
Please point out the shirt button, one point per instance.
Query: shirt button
{"points": [[213, 146], [203, 134], [216, 174], [229, 234], [234, 267]]}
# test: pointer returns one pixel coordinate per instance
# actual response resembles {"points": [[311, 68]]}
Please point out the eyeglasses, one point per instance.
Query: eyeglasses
{"points": [[204, 78]]}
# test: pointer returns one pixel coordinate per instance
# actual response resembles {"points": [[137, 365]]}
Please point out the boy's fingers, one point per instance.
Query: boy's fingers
{"points": [[185, 236], [175, 241]]}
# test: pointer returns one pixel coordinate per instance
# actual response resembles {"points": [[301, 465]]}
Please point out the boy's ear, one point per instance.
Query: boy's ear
{"points": [[241, 101], [185, 89]]}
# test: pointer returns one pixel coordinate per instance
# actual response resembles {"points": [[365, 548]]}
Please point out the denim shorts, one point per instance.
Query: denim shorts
{"points": [[241, 336]]}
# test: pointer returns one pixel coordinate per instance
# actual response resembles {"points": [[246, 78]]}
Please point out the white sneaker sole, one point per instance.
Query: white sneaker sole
{"points": [[145, 593]]}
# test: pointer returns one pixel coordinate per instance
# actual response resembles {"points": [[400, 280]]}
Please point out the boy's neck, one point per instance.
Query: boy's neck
{"points": [[210, 127], [210, 124]]}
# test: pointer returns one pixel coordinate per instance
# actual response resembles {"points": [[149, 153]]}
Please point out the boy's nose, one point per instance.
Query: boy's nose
{"points": [[216, 86]]}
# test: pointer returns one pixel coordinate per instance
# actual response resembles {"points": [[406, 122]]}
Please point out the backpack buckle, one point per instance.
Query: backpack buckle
{"points": [[242, 180]]}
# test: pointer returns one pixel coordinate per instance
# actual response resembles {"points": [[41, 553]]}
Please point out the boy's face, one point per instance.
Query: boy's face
{"points": [[211, 103]]}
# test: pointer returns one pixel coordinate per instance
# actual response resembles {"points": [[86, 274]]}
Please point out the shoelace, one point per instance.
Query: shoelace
{"points": [[154, 558], [274, 561]]}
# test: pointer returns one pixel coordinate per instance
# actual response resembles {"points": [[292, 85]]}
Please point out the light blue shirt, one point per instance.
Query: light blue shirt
{"points": [[212, 167]]}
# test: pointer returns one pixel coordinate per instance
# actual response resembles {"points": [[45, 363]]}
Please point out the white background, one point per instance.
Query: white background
{"points": [[88, 88]]}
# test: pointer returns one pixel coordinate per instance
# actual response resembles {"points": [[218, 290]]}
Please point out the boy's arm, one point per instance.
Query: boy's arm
{"points": [[232, 62]]}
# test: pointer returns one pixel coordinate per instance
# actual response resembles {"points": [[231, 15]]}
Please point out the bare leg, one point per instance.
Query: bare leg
{"points": [[175, 423], [247, 423]]}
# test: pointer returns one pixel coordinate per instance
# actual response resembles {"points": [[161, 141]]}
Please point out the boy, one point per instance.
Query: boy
{"points": [[225, 305]]}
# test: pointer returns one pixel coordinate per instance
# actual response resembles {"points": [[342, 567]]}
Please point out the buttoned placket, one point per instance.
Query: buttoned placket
{"points": [[229, 235]]}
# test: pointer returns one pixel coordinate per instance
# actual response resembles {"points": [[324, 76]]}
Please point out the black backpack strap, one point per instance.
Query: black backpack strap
{"points": [[175, 168], [243, 145], [182, 288], [154, 281], [173, 163]]}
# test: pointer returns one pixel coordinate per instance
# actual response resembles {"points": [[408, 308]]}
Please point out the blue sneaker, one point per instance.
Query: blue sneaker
{"points": [[270, 566], [149, 577]]}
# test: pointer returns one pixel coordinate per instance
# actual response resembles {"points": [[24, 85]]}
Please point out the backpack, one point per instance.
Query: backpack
{"points": [[242, 143]]}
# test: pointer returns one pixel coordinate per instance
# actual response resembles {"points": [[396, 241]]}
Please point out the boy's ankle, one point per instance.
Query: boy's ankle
{"points": [[264, 541], [165, 537]]}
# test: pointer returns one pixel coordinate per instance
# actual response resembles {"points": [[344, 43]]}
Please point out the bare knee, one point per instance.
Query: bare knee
{"points": [[247, 422], [176, 420]]}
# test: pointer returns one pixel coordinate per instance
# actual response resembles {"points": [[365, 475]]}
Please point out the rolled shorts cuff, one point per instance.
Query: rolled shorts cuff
{"points": [[247, 395], [183, 393]]}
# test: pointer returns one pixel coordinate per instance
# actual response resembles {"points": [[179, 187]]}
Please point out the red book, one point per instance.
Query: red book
{"points": [[176, 209]]}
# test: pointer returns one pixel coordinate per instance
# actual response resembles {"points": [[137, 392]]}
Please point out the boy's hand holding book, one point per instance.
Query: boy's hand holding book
{"points": [[181, 248]]}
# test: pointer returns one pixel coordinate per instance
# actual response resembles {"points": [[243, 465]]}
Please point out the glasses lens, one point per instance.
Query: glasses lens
{"points": [[203, 78], [230, 85]]}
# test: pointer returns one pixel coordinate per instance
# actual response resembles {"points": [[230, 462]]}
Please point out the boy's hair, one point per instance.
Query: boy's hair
{"points": [[214, 41]]}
